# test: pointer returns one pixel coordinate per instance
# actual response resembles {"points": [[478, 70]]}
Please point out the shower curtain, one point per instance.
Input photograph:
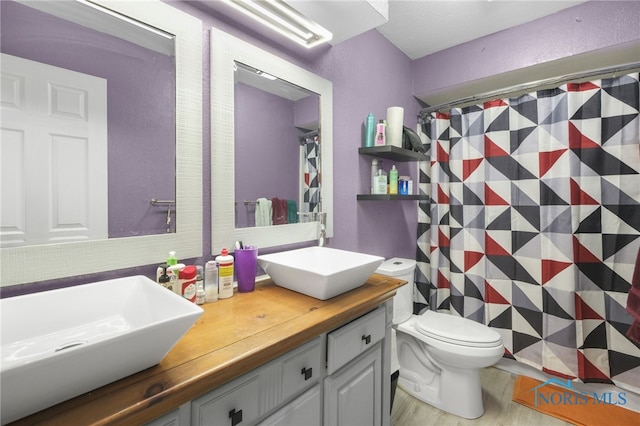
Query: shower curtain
{"points": [[533, 224], [311, 153]]}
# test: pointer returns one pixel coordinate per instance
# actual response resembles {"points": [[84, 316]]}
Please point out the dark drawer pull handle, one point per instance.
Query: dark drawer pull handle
{"points": [[308, 372], [235, 416], [367, 339]]}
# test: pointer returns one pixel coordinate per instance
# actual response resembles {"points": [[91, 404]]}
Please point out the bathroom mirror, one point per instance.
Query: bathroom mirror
{"points": [[43, 262], [80, 84], [276, 124], [227, 53]]}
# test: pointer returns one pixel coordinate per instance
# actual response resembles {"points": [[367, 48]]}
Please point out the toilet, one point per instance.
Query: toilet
{"points": [[439, 356]]}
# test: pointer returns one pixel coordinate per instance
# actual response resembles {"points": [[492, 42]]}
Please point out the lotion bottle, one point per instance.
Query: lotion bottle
{"points": [[380, 134], [393, 180], [225, 274]]}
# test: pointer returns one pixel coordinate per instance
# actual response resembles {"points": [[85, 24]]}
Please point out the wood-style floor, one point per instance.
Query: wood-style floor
{"points": [[500, 410]]}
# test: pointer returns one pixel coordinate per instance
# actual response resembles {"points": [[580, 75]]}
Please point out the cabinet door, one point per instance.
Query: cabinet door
{"points": [[304, 410], [237, 403], [353, 394]]}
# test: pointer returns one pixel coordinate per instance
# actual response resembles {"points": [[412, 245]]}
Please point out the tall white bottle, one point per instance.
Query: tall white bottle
{"points": [[225, 274]]}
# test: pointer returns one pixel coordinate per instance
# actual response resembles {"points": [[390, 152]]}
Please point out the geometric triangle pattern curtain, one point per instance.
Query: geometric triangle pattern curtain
{"points": [[533, 224], [311, 194]]}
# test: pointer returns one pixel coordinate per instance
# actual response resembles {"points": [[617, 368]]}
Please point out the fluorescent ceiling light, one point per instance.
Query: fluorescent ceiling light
{"points": [[127, 19], [282, 18]]}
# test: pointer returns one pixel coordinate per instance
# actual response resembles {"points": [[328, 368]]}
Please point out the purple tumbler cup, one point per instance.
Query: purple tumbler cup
{"points": [[246, 266]]}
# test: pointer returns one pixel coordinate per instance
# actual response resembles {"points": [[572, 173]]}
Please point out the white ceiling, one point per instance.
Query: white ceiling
{"points": [[421, 27]]}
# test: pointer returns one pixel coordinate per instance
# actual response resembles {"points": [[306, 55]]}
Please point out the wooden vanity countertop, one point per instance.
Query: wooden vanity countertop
{"points": [[232, 337]]}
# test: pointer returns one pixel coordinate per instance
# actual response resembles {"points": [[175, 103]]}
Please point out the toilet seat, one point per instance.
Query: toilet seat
{"points": [[457, 330]]}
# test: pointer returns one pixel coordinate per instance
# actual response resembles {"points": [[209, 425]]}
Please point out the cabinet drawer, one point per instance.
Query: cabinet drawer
{"points": [[301, 370], [237, 403], [351, 340]]}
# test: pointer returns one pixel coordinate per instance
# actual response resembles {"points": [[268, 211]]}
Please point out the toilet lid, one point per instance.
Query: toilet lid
{"points": [[457, 330]]}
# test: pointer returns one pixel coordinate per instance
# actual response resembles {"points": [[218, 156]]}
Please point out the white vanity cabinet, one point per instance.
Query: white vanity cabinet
{"points": [[339, 378]]}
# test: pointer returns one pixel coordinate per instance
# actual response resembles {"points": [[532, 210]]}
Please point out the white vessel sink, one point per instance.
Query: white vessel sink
{"points": [[319, 272], [61, 343]]}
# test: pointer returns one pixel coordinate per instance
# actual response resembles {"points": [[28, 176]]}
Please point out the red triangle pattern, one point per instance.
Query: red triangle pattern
{"points": [[493, 199], [548, 159], [588, 370], [493, 150], [442, 197], [492, 248], [551, 268], [443, 241], [442, 155], [491, 295], [581, 87], [579, 141], [443, 282], [581, 254], [470, 166], [495, 103], [584, 311], [471, 258], [443, 115], [579, 197]]}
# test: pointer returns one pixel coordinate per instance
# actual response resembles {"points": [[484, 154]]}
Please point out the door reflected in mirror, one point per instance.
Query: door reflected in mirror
{"points": [[277, 150], [89, 125]]}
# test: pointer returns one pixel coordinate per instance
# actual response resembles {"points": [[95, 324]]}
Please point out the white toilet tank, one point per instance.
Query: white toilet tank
{"points": [[403, 300]]}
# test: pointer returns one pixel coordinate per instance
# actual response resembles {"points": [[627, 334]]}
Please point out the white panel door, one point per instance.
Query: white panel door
{"points": [[53, 154], [353, 395]]}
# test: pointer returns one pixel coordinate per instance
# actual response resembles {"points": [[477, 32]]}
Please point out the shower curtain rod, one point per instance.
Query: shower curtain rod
{"points": [[526, 87]]}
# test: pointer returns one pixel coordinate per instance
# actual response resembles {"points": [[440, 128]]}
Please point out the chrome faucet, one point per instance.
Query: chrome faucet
{"points": [[322, 235]]}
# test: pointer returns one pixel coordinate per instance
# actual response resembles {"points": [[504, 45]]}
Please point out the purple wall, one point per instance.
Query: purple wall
{"points": [[267, 147], [585, 28], [141, 101], [306, 113], [361, 85]]}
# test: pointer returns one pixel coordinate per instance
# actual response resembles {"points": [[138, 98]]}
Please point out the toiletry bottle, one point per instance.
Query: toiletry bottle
{"points": [[211, 281], [225, 274], [393, 180], [369, 130], [172, 270], [164, 280], [374, 173], [171, 260], [162, 269], [381, 180], [200, 295], [187, 282], [380, 134], [199, 276]]}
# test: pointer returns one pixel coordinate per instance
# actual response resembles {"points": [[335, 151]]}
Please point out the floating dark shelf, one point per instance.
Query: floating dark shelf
{"points": [[394, 153], [387, 197]]}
